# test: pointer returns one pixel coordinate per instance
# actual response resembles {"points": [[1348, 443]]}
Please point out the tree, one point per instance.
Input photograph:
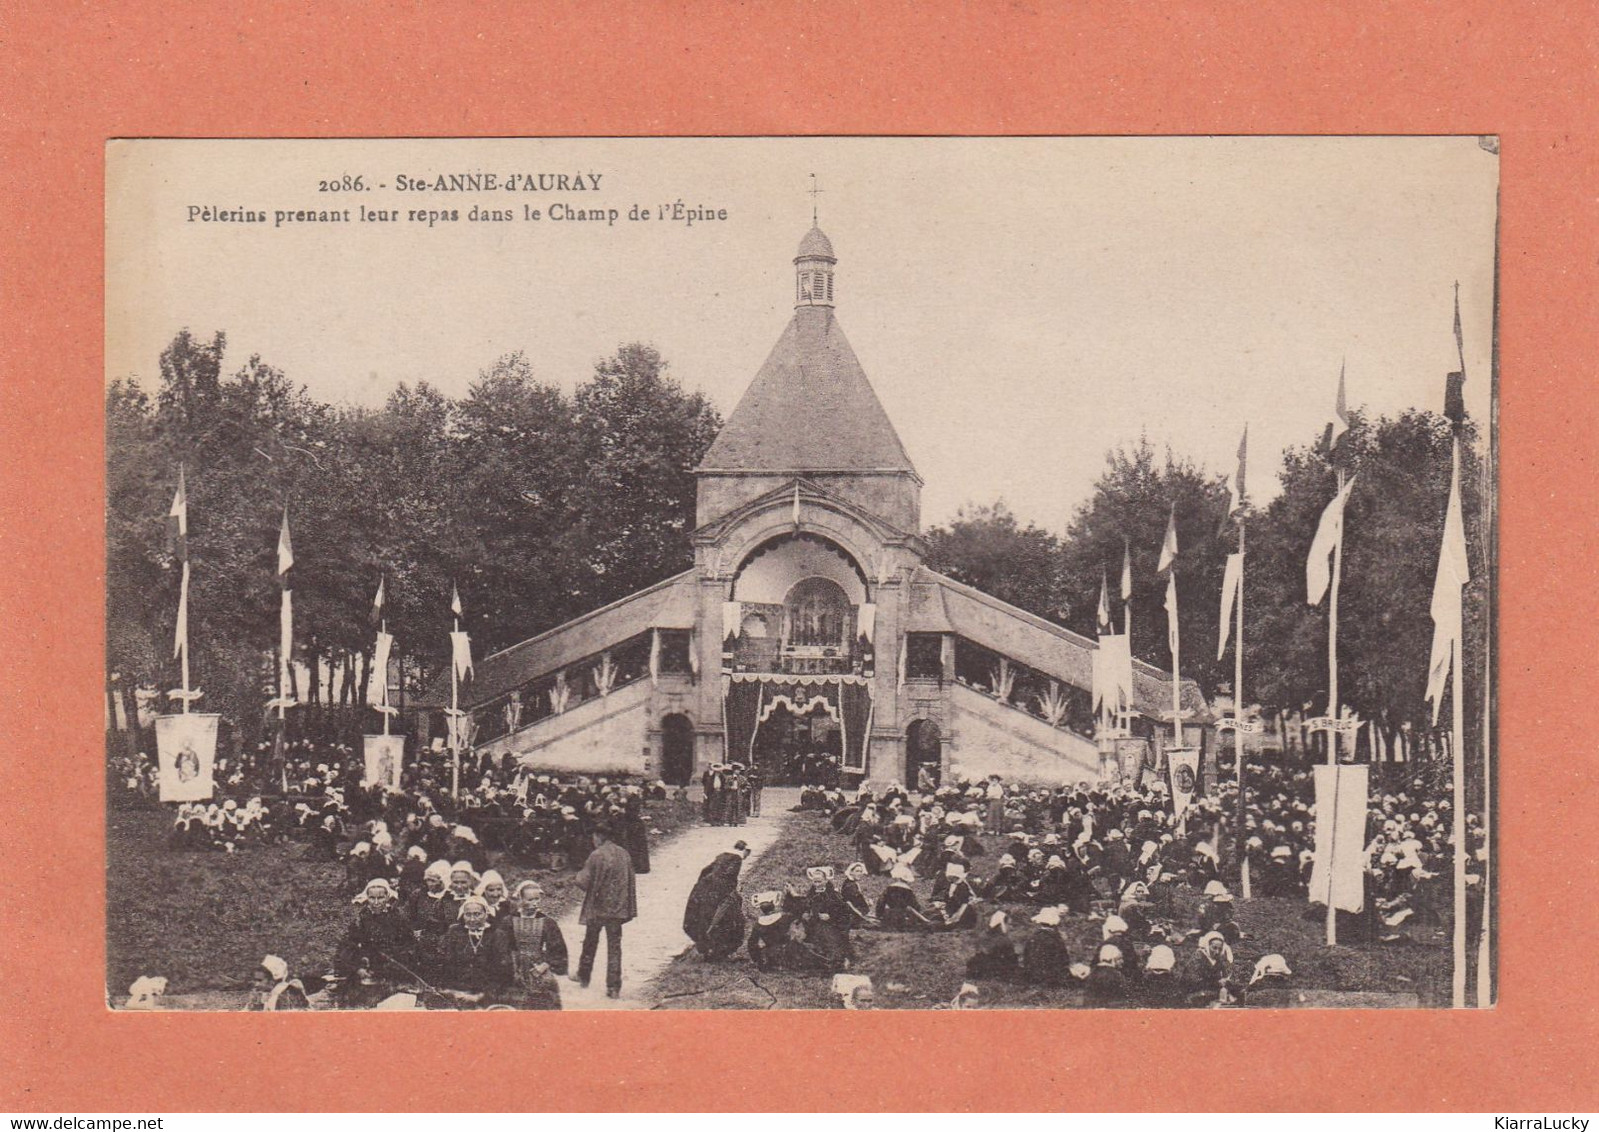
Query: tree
{"points": [[1393, 526], [987, 548], [1128, 510], [639, 437]]}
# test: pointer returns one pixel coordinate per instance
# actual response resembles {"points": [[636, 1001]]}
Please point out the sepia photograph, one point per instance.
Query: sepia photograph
{"points": [[801, 573]]}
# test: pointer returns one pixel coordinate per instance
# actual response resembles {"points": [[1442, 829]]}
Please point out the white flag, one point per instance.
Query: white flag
{"points": [[1329, 533], [1447, 609], [378, 675], [461, 654], [1168, 547], [180, 641], [286, 633], [1113, 673], [1229, 594]]}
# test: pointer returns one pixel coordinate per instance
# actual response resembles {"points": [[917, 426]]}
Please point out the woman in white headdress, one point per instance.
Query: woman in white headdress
{"points": [[859, 908], [379, 950], [825, 920], [274, 990], [477, 959], [898, 909], [995, 957], [1210, 971]]}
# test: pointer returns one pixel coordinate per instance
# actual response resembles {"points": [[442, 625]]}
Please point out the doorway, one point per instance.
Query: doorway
{"points": [[923, 756], [799, 749], [677, 749]]}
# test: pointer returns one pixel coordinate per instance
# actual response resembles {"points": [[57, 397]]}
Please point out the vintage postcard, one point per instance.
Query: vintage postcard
{"points": [[801, 573]]}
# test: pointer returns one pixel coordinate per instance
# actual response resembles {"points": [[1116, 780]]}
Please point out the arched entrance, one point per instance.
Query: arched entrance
{"points": [[923, 757], [677, 749]]}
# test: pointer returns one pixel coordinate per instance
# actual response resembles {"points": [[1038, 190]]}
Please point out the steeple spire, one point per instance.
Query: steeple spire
{"points": [[813, 270]]}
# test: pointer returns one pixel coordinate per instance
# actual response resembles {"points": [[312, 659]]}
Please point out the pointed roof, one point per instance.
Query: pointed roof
{"points": [[809, 409]]}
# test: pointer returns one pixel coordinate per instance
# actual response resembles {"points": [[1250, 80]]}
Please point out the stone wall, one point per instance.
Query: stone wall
{"points": [[989, 738]]}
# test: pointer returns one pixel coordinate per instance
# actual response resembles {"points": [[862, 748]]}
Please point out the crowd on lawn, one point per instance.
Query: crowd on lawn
{"points": [[983, 858]]}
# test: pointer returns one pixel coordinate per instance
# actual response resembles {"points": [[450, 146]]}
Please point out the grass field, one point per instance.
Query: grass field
{"points": [[204, 919], [919, 970]]}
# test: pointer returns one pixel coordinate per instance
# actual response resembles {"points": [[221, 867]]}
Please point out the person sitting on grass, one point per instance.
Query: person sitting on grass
{"points": [[1045, 961], [538, 950], [1007, 884], [768, 940], [379, 950], [491, 887], [855, 902], [1114, 931], [995, 957], [898, 909], [956, 900], [274, 990], [1210, 972], [1107, 982], [430, 912], [1216, 915], [1268, 984], [824, 920], [476, 967], [1160, 988]]}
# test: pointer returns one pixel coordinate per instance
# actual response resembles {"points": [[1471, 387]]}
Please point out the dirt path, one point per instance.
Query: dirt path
{"points": [[656, 937]]}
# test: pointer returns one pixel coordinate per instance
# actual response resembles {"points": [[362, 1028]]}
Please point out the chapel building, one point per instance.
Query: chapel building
{"points": [[809, 627]]}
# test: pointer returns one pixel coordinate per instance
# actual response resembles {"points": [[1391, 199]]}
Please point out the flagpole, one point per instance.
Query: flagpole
{"points": [[1485, 935], [183, 615], [383, 627], [1457, 744], [1332, 712], [1176, 668], [455, 720], [1238, 711]]}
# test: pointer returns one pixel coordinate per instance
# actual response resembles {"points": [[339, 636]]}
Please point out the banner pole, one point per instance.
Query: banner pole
{"points": [[1238, 715], [1332, 711], [1458, 773], [455, 722]]}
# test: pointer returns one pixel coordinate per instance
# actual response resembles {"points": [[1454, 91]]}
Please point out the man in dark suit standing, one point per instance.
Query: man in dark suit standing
{"points": [[610, 899]]}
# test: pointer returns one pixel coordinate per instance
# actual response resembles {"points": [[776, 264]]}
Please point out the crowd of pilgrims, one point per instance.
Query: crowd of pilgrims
{"points": [[986, 858], [429, 911]]}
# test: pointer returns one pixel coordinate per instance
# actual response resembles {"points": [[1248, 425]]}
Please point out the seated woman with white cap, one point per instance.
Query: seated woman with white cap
{"points": [[825, 921], [1045, 961], [274, 990], [956, 899], [995, 957], [538, 949], [898, 909], [379, 949], [1160, 988], [768, 939], [476, 965], [1107, 982], [1210, 972]]}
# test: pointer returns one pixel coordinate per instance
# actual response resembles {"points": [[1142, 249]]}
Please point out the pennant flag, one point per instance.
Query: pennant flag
{"points": [[180, 638], [1127, 570], [1171, 612], [455, 599], [178, 521], [1168, 547], [286, 634], [378, 674], [1112, 673], [1448, 611], [1104, 603], [285, 547], [1340, 418], [377, 601], [1329, 533], [1229, 594], [461, 654], [1235, 489], [1337, 874]]}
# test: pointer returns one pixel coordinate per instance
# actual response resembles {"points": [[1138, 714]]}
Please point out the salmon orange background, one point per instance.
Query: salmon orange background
{"points": [[75, 76]]}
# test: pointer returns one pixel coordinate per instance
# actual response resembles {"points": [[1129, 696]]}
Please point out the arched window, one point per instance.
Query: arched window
{"points": [[817, 613]]}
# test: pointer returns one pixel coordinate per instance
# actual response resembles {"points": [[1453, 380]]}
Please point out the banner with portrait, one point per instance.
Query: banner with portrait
{"points": [[1183, 763], [186, 747], [385, 759]]}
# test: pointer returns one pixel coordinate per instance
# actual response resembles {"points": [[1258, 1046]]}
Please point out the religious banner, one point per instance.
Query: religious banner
{"points": [[1339, 869], [385, 759], [1184, 766], [1112, 673], [186, 747], [1131, 755], [741, 708]]}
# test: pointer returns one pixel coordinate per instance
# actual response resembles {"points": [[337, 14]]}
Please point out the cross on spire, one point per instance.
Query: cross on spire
{"points": [[815, 192]]}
